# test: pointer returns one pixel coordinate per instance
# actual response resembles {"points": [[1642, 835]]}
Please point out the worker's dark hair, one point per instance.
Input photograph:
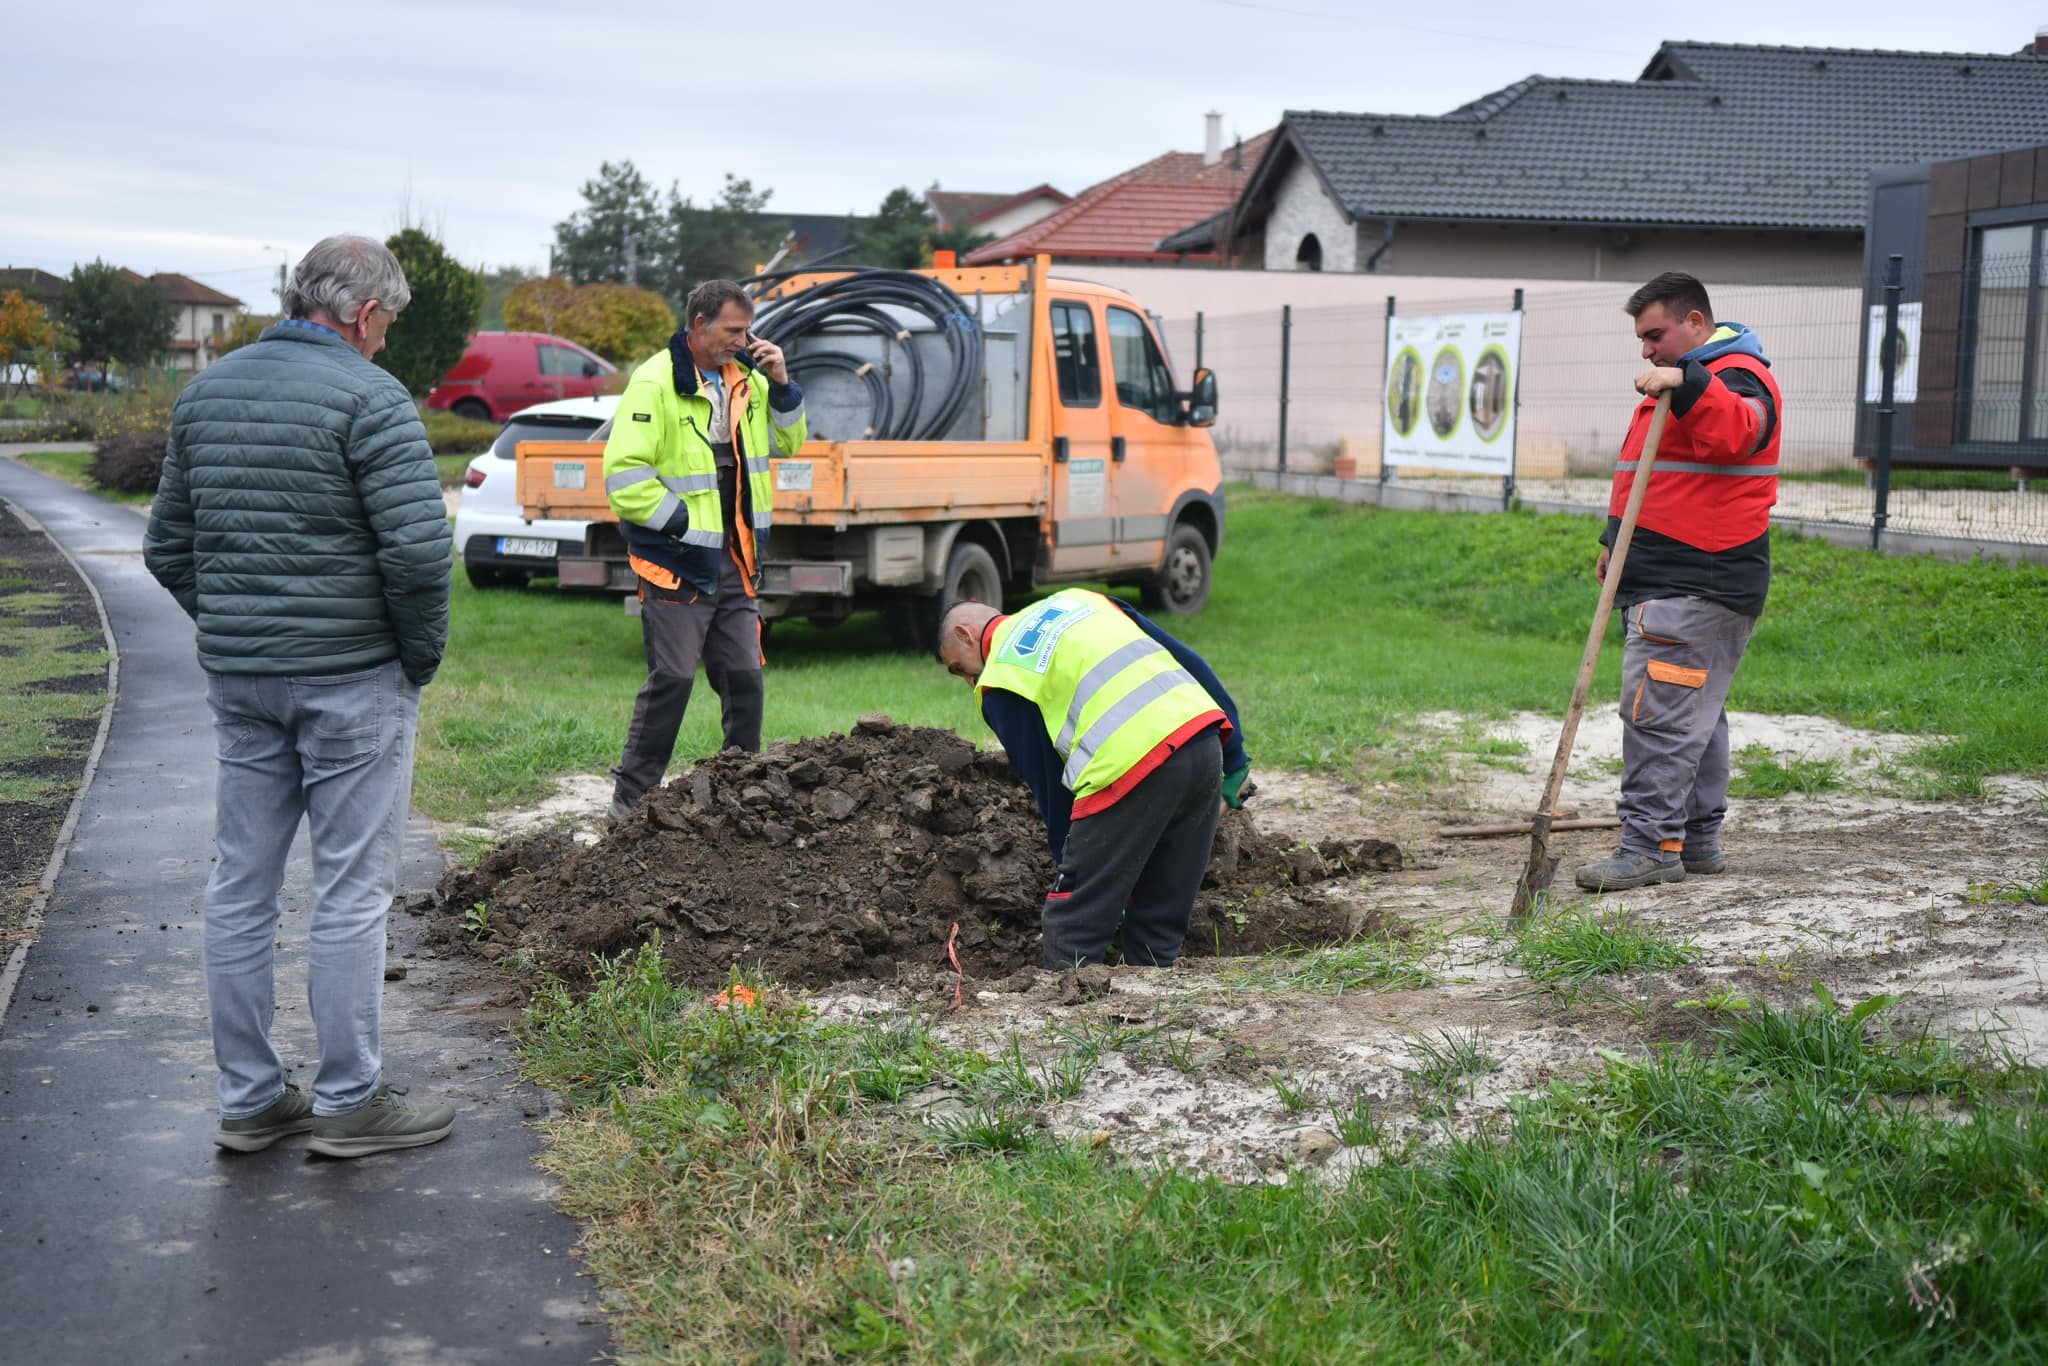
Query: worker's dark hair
{"points": [[1678, 292], [710, 298]]}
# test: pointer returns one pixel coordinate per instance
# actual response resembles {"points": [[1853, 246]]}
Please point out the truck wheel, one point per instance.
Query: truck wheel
{"points": [[971, 576], [1182, 584]]}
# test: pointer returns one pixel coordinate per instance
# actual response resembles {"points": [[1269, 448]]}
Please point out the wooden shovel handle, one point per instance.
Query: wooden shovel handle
{"points": [[1622, 537]]}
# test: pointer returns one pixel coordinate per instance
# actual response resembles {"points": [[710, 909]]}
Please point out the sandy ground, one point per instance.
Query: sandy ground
{"points": [[1860, 889]]}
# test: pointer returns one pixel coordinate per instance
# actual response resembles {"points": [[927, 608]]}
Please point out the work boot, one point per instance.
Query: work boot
{"points": [[386, 1121], [621, 807], [291, 1113], [1625, 868], [1704, 862]]}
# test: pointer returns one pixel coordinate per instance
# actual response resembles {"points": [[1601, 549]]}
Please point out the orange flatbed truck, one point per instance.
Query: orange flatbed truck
{"points": [[1078, 461]]}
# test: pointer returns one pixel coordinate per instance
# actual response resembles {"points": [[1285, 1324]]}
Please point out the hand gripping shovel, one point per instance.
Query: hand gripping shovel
{"points": [[1536, 878]]}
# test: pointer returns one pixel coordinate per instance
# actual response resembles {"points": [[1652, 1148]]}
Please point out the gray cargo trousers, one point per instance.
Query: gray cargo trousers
{"points": [[1677, 661]]}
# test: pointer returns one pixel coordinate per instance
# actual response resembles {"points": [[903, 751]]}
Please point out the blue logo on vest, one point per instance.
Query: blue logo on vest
{"points": [[1041, 630]]}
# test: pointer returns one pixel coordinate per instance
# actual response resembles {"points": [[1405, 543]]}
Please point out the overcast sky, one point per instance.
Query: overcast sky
{"points": [[216, 139]]}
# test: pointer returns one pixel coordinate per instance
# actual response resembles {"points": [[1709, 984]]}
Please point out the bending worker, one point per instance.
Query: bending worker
{"points": [[694, 419], [1694, 581], [1126, 737]]}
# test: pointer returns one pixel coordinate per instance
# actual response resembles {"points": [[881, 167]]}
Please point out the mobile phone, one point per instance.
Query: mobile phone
{"points": [[743, 355]]}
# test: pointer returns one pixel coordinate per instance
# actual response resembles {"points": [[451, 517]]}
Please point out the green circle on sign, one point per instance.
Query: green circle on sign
{"points": [[1492, 393], [1445, 400], [1404, 390]]}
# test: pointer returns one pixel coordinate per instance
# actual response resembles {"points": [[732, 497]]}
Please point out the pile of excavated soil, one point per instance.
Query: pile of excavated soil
{"points": [[852, 857]]}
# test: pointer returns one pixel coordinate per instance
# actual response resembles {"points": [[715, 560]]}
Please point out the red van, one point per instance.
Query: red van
{"points": [[503, 372]]}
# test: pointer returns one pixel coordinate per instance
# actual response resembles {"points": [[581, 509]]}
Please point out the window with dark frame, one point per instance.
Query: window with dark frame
{"points": [[1142, 380], [560, 361], [1074, 358], [2005, 331]]}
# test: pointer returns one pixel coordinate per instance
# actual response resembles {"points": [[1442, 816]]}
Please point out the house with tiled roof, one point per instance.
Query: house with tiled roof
{"points": [[38, 285], [993, 215], [1122, 219], [204, 316], [1736, 161]]}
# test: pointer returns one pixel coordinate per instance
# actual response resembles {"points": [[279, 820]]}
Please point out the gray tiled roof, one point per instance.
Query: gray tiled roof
{"points": [[1713, 134]]}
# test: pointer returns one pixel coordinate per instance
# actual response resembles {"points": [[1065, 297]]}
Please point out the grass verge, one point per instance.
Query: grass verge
{"points": [[764, 1186], [1573, 942], [75, 467], [1761, 773], [1332, 625]]}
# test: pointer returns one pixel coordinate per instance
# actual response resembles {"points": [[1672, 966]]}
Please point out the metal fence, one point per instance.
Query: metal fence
{"points": [[1302, 394]]}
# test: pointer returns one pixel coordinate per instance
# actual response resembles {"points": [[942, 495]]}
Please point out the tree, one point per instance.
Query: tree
{"points": [[498, 286], [724, 240], [958, 239], [622, 323], [115, 315], [242, 329], [611, 237], [895, 236], [433, 332], [25, 331]]}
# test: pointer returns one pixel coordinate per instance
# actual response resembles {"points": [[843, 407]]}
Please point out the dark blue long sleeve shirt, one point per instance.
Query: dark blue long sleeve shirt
{"points": [[1020, 726]]}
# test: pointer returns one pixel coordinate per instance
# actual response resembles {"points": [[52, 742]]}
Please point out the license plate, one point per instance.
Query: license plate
{"points": [[524, 545]]}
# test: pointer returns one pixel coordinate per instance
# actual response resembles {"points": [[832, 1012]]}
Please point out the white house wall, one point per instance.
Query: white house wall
{"points": [[1301, 206]]}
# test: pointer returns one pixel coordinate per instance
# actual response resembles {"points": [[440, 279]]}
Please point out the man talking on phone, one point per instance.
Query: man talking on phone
{"points": [[686, 470]]}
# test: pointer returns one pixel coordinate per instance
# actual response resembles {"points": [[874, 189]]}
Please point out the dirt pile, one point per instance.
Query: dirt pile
{"points": [[848, 857]]}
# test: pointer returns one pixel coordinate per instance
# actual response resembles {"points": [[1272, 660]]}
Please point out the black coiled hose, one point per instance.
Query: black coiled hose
{"points": [[856, 301]]}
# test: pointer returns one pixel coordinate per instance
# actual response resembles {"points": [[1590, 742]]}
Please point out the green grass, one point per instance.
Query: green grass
{"points": [[453, 436], [1369, 963], [1761, 773], [1790, 1190], [1574, 942], [75, 467], [1990, 481], [1332, 625], [2028, 889]]}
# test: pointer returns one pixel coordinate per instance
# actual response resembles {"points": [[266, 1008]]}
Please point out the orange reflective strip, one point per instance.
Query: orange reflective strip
{"points": [[1670, 846], [1665, 672], [759, 648], [654, 573], [1635, 712]]}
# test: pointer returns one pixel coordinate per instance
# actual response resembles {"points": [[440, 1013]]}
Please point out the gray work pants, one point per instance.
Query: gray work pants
{"points": [[682, 628], [336, 750], [1138, 863], [1678, 660]]}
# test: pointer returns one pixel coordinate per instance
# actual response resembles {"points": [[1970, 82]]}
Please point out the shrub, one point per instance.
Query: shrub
{"points": [[130, 464]]}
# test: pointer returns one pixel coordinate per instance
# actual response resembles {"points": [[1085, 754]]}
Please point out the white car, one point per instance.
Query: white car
{"points": [[500, 547]]}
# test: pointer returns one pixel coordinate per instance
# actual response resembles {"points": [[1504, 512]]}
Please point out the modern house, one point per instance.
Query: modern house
{"points": [[1744, 162], [1121, 220], [38, 285]]}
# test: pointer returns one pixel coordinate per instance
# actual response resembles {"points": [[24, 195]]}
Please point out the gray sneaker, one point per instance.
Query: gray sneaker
{"points": [[1625, 868], [384, 1122], [291, 1113], [1699, 865]]}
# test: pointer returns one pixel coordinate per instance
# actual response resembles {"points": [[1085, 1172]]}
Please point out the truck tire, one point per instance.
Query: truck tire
{"points": [[972, 575], [1181, 586]]}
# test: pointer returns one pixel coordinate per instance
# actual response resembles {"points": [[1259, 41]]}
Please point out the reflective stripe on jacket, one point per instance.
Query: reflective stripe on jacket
{"points": [[1107, 692], [1708, 489], [661, 475]]}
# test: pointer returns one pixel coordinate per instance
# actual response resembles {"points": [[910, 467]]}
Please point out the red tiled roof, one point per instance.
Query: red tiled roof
{"points": [[954, 207], [1025, 197], [183, 289], [1124, 217]]}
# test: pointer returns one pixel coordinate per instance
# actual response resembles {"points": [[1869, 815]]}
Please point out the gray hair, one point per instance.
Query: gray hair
{"points": [[341, 274]]}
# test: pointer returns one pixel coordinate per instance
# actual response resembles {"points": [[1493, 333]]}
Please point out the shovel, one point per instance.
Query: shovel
{"points": [[1542, 869]]}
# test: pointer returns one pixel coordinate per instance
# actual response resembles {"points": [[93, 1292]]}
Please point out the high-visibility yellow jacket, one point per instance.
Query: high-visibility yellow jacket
{"points": [[661, 475]]}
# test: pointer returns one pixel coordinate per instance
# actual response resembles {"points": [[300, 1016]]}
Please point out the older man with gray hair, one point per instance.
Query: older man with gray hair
{"points": [[300, 524]]}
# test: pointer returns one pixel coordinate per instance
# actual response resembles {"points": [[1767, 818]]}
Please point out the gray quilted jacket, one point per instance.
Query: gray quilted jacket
{"points": [[300, 521]]}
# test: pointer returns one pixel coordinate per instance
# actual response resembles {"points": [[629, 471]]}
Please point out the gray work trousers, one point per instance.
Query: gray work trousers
{"points": [[683, 627], [1678, 660], [1138, 863]]}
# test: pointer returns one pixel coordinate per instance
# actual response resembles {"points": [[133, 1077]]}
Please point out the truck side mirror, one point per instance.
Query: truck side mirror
{"points": [[1202, 399]]}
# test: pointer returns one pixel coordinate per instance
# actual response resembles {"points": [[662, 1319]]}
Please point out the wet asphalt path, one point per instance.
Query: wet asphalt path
{"points": [[125, 1235]]}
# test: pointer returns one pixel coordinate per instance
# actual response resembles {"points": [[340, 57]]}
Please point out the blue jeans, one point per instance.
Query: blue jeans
{"points": [[336, 749]]}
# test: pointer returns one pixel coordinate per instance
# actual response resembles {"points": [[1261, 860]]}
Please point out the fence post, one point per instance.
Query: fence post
{"points": [[1887, 357], [1198, 339], [1386, 378], [1507, 484], [1286, 337]]}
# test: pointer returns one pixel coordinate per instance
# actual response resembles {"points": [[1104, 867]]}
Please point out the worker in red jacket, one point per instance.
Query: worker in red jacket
{"points": [[1694, 581]]}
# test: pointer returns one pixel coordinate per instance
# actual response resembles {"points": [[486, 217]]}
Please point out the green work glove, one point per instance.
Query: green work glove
{"points": [[1234, 785]]}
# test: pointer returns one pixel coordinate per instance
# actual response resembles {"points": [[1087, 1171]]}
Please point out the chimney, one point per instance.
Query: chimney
{"points": [[2041, 42], [1212, 138]]}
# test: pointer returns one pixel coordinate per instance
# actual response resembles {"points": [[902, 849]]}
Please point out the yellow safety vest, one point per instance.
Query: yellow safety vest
{"points": [[1108, 692]]}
